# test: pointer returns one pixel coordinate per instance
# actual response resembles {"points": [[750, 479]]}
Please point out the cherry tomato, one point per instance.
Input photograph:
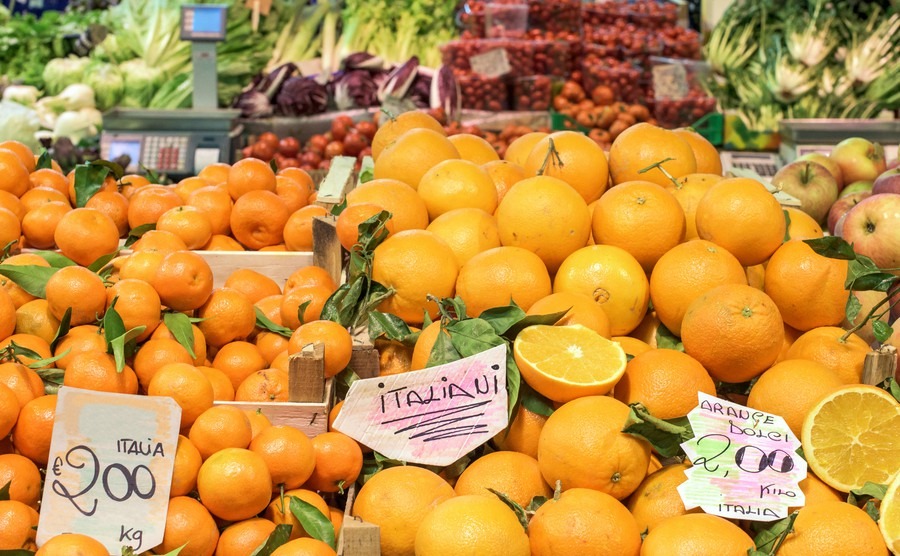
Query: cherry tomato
{"points": [[340, 126], [333, 149], [291, 162], [310, 158], [263, 151], [367, 129], [324, 165], [269, 138], [289, 146], [354, 143], [317, 143]]}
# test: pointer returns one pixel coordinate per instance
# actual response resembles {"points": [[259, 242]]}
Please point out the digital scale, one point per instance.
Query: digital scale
{"points": [[180, 143], [799, 137], [763, 163]]}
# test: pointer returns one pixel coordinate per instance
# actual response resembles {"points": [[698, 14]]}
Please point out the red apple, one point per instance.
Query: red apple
{"points": [[856, 187], [841, 206], [859, 159], [828, 162], [888, 182], [873, 227], [811, 183]]}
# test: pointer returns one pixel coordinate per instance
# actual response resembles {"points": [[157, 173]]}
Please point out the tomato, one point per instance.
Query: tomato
{"points": [[324, 165], [291, 162], [317, 143], [333, 149], [354, 143], [268, 138], [289, 146], [310, 158], [340, 126], [367, 129], [365, 152], [263, 151], [247, 151]]}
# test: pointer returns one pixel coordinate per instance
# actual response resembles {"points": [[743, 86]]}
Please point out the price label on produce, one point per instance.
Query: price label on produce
{"points": [[110, 468], [670, 81], [745, 462], [433, 416], [493, 63]]}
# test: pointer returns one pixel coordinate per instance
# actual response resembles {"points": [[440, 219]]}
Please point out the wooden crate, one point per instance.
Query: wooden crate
{"points": [[357, 537]]}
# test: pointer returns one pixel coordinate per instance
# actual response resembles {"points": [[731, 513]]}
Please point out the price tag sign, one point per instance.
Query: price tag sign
{"points": [[745, 462], [110, 468], [670, 81], [433, 416], [493, 63]]}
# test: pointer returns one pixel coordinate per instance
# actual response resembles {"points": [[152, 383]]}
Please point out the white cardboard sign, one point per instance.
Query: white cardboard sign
{"points": [[745, 462], [493, 63], [110, 468], [433, 416]]}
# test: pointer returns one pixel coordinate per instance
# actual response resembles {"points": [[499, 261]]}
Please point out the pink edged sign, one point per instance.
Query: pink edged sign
{"points": [[433, 416], [110, 468], [745, 462]]}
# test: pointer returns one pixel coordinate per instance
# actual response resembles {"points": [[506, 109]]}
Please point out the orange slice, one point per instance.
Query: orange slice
{"points": [[889, 522]]}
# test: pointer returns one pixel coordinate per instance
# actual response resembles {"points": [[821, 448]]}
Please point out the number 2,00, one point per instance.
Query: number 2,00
{"points": [[102, 474], [749, 458]]}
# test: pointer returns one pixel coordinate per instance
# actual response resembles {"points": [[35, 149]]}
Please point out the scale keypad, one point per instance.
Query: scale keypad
{"points": [[167, 153]]}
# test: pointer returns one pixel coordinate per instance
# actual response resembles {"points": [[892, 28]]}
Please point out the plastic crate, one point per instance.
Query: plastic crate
{"points": [[622, 77], [652, 14], [552, 58], [519, 53], [483, 93], [534, 92], [555, 15], [679, 97], [505, 21]]}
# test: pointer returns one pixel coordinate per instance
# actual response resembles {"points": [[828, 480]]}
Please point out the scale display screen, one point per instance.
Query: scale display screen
{"points": [[132, 148], [203, 22]]}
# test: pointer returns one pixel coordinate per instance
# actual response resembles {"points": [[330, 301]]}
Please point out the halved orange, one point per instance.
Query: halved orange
{"points": [[889, 522], [568, 362]]}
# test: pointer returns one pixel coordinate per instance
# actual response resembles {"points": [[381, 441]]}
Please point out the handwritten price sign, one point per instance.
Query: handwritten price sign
{"points": [[745, 464], [433, 416], [110, 468]]}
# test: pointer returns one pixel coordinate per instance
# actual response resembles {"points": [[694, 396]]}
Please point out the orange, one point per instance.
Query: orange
{"points": [[267, 385], [216, 203], [574, 158], [474, 148], [500, 276], [297, 229], [7, 315], [688, 190], [802, 225], [12, 203], [114, 205], [335, 338], [16, 293], [817, 491], [184, 280], [868, 300], [215, 173], [833, 528], [288, 453], [154, 354], [189, 223], [220, 427], [705, 153], [304, 547], [243, 537], [38, 225], [84, 235], [250, 174], [523, 432], [397, 499], [131, 183], [338, 462], [18, 525], [190, 389], [190, 525], [791, 388], [270, 345], [37, 196], [582, 518], [514, 474], [279, 510], [632, 346], [845, 358], [258, 422], [518, 150], [807, 287], [742, 216], [665, 381], [24, 382], [223, 243], [80, 339], [336, 515], [228, 315], [148, 203], [234, 484], [471, 524], [199, 345], [34, 317], [414, 264], [396, 126], [14, 173], [300, 176], [294, 194], [23, 478], [238, 360], [258, 219], [687, 271], [643, 145], [187, 464], [657, 498], [138, 304], [310, 298], [31, 435], [23, 152], [11, 227], [411, 155], [454, 184], [77, 288], [582, 445], [74, 543], [424, 344], [407, 208], [347, 224], [734, 331], [504, 174], [223, 390], [9, 410], [640, 217], [159, 241], [468, 231], [613, 278], [546, 216], [96, 370], [696, 534], [580, 309], [185, 187]]}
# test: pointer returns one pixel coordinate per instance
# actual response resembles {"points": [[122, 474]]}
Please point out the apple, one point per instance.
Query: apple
{"points": [[856, 187], [841, 206], [888, 182], [859, 159], [811, 183], [873, 227], [828, 162]]}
